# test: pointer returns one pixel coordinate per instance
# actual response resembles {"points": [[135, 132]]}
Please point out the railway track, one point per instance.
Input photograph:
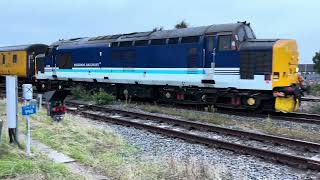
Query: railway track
{"points": [[127, 119], [310, 99], [293, 117]]}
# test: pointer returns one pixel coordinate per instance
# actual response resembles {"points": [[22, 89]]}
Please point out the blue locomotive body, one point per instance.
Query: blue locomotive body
{"points": [[218, 64]]}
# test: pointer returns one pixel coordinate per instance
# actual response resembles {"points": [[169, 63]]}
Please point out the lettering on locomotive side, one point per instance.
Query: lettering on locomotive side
{"points": [[86, 65]]}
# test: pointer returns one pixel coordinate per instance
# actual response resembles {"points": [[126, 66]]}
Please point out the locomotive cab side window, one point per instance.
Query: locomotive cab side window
{"points": [[225, 42], [241, 34], [14, 59], [249, 32]]}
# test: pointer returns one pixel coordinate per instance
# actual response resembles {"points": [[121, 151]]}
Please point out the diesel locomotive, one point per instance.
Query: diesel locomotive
{"points": [[224, 65]]}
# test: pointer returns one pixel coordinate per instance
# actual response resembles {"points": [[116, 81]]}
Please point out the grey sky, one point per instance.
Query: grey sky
{"points": [[45, 21]]}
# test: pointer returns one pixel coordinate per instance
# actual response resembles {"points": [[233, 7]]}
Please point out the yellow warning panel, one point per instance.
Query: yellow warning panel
{"points": [[286, 104]]}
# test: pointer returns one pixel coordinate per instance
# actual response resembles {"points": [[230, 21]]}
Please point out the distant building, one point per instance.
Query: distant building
{"points": [[309, 73]]}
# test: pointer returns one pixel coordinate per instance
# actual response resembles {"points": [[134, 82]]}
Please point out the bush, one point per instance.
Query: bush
{"points": [[79, 92], [315, 89], [103, 98]]}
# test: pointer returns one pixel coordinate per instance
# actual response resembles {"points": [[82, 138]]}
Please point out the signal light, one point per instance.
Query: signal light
{"points": [[55, 109], [63, 109]]}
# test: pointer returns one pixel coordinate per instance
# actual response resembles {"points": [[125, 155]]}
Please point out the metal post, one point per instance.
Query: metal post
{"points": [[40, 101], [28, 137], [27, 92]]}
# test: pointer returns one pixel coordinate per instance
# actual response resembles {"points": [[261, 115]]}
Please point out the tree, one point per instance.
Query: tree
{"points": [[181, 25], [316, 61]]}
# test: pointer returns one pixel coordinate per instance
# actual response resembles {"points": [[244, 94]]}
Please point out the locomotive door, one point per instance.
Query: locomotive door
{"points": [[226, 53], [210, 51]]}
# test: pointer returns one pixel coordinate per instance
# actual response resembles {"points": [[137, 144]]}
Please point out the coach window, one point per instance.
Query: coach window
{"points": [[173, 41], [65, 61], [190, 39], [14, 59], [3, 59], [225, 43]]}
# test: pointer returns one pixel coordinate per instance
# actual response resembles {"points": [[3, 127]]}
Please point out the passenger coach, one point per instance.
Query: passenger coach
{"points": [[20, 60]]}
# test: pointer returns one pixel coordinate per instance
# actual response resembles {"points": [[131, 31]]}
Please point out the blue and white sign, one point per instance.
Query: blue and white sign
{"points": [[29, 109]]}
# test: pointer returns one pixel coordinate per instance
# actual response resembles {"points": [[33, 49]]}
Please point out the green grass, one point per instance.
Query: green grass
{"points": [[15, 164], [98, 148]]}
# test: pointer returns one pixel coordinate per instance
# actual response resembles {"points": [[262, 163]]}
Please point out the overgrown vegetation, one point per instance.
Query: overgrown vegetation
{"points": [[15, 165], [316, 61], [100, 97], [315, 89]]}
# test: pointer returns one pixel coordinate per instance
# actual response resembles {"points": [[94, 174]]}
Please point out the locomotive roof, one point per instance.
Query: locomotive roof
{"points": [[192, 31], [21, 47]]}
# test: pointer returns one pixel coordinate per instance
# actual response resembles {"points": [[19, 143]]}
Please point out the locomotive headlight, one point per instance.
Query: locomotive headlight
{"points": [[251, 101], [297, 69]]}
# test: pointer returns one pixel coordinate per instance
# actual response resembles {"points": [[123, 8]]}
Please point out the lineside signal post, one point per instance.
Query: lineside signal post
{"points": [[27, 110]]}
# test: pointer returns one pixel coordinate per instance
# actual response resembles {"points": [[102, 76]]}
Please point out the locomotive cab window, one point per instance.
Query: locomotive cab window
{"points": [[64, 61], [14, 59], [225, 43], [241, 34]]}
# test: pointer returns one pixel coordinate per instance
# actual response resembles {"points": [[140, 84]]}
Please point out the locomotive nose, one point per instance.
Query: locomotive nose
{"points": [[285, 80]]}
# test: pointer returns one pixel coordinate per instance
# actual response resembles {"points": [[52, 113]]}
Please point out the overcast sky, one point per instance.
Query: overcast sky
{"points": [[45, 21]]}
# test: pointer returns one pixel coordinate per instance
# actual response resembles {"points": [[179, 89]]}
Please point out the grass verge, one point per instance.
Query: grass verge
{"points": [[15, 165]]}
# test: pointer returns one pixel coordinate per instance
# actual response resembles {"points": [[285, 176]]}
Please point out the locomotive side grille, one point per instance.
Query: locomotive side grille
{"points": [[192, 58], [255, 63], [125, 57]]}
